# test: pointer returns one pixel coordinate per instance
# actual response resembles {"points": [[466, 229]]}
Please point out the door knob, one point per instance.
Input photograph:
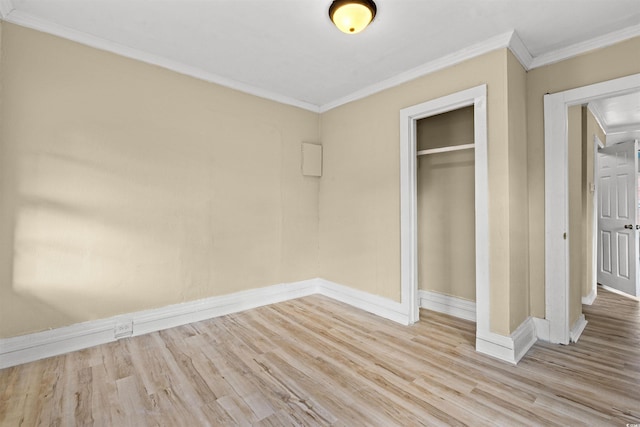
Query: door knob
{"points": [[628, 226]]}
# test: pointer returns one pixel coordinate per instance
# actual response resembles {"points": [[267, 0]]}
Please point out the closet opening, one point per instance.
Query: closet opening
{"points": [[475, 98], [445, 182]]}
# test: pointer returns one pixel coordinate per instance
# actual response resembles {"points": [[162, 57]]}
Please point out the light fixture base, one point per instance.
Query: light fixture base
{"points": [[352, 16]]}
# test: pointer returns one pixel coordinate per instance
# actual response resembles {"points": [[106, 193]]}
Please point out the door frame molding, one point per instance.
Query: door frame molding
{"points": [[476, 96], [556, 194]]}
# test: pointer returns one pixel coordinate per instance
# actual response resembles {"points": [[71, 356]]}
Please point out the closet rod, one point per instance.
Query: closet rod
{"points": [[445, 149]]}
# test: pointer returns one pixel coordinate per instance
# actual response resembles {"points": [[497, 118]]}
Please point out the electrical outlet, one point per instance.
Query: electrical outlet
{"points": [[123, 328]]}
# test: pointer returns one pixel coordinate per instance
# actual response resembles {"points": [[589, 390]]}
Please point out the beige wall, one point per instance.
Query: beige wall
{"points": [[126, 186], [590, 128], [518, 198], [619, 60], [446, 206], [359, 192]]}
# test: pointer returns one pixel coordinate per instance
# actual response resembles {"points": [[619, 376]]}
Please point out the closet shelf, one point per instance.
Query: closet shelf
{"points": [[445, 149]]}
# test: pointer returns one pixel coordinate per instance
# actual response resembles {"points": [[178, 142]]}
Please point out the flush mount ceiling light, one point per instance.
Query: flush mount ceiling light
{"points": [[352, 16]]}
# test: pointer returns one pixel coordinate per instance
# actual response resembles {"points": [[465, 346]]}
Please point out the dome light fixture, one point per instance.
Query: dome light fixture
{"points": [[352, 16]]}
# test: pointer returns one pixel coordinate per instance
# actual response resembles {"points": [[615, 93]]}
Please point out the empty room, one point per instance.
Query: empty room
{"points": [[319, 212]]}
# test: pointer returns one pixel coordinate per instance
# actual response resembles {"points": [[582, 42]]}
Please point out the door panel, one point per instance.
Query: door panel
{"points": [[617, 212], [606, 252]]}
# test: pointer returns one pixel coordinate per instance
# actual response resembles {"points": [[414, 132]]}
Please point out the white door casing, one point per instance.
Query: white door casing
{"points": [[476, 96], [617, 206], [557, 191]]}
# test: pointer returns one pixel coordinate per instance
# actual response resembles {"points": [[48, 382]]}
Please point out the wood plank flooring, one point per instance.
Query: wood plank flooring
{"points": [[314, 361]]}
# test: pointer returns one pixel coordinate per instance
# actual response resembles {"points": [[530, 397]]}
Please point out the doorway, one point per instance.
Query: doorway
{"points": [[476, 97], [557, 239]]}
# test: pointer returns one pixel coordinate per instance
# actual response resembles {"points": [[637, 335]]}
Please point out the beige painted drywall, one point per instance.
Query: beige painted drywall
{"points": [[518, 197], [446, 206], [590, 129], [126, 186], [359, 191], [619, 60]]}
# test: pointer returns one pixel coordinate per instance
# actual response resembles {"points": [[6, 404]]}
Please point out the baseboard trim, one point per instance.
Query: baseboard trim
{"points": [[374, 304], [589, 299], [508, 348], [577, 328], [40, 345], [447, 304], [543, 329], [195, 311]]}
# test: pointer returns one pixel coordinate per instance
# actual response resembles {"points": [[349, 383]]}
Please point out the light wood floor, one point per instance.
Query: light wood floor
{"points": [[314, 361]]}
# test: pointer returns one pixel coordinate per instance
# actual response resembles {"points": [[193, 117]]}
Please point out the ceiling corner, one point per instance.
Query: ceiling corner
{"points": [[6, 7], [597, 114], [586, 46], [519, 49]]}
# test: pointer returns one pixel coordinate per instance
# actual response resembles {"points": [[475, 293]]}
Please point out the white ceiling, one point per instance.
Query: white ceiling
{"points": [[619, 116], [288, 50]]}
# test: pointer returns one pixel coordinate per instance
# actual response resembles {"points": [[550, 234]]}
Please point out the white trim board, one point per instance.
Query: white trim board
{"points": [[509, 349], [40, 345], [578, 328], [447, 304]]}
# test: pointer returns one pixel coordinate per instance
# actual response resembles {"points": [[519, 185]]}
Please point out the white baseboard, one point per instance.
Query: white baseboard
{"points": [[40, 345], [447, 304], [543, 329], [375, 304], [511, 348], [577, 328], [589, 299], [208, 308]]}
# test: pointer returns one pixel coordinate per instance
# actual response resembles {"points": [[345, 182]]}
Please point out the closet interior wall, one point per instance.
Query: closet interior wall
{"points": [[446, 204]]}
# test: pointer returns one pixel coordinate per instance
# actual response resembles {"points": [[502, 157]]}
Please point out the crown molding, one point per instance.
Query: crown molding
{"points": [[510, 40], [520, 51], [19, 18], [586, 46], [6, 7], [497, 42], [597, 114]]}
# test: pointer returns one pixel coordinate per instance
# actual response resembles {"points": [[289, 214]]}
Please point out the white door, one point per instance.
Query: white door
{"points": [[617, 217]]}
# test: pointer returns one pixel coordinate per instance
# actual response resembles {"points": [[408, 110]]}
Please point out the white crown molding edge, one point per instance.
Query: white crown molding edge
{"points": [[509, 349], [509, 40], [447, 304], [20, 18], [489, 45], [6, 7], [585, 46], [40, 345], [520, 51], [597, 114]]}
